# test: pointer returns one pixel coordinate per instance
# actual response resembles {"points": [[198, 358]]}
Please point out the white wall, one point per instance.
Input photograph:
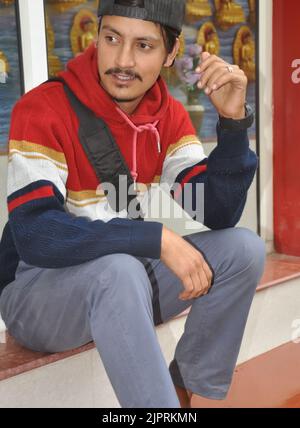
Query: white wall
{"points": [[266, 121], [34, 49]]}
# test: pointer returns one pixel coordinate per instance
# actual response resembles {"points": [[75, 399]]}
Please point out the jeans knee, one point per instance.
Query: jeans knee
{"points": [[121, 275], [249, 251]]}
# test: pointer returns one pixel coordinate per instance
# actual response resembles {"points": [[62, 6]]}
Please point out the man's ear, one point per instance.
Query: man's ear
{"points": [[171, 56]]}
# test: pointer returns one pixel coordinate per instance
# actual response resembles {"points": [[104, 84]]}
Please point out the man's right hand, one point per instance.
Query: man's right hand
{"points": [[187, 263]]}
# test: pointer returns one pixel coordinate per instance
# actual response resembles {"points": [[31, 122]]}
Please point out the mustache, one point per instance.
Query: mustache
{"points": [[128, 73]]}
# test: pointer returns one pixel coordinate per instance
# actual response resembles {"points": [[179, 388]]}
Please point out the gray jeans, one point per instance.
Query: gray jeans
{"points": [[117, 300]]}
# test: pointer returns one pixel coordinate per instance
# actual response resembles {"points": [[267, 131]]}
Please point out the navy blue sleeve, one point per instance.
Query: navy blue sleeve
{"points": [[45, 235], [229, 172]]}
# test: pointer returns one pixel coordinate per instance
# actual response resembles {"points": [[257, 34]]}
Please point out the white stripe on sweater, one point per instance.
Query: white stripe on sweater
{"points": [[23, 171], [184, 157]]}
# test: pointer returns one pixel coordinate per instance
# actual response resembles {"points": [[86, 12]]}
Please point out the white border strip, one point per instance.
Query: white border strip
{"points": [[266, 121], [34, 47]]}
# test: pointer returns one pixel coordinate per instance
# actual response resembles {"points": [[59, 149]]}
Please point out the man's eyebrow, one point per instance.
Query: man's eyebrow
{"points": [[145, 38], [107, 27]]}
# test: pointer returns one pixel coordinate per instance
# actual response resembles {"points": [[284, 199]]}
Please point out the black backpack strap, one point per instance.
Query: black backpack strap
{"points": [[103, 153]]}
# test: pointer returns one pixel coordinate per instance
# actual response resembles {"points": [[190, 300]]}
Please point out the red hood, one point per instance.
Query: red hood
{"points": [[83, 78]]}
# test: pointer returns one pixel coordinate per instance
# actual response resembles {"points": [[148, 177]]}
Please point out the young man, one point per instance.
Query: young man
{"points": [[73, 270]]}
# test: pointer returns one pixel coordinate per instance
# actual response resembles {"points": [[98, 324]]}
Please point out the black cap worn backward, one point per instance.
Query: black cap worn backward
{"points": [[165, 12]]}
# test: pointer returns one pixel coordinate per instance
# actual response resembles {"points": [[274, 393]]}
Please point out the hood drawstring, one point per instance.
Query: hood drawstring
{"points": [[137, 130]]}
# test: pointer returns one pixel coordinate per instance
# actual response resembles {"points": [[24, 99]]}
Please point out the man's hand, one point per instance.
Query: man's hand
{"points": [[187, 264], [225, 84]]}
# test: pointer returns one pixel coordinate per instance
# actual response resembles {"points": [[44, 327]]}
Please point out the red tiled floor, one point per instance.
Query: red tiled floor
{"points": [[279, 268], [15, 360], [292, 403], [270, 380]]}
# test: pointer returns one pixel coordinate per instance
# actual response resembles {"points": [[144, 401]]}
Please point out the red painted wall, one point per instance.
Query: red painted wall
{"points": [[286, 74]]}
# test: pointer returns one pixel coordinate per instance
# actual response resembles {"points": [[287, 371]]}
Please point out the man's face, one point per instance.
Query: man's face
{"points": [[131, 53]]}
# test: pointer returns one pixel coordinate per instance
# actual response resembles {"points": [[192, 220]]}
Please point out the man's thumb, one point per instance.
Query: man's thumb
{"points": [[205, 55]]}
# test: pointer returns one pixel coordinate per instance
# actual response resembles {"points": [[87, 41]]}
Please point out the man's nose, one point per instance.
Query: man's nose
{"points": [[126, 57]]}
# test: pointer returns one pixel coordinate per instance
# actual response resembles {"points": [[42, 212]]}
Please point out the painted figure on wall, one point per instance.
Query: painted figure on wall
{"points": [[182, 45], [169, 74], [88, 33], [54, 63], [4, 68], [208, 39], [228, 14], [7, 2], [197, 9], [63, 5], [244, 52], [84, 31]]}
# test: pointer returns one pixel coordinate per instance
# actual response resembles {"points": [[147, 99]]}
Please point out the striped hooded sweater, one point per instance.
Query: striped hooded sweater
{"points": [[58, 217]]}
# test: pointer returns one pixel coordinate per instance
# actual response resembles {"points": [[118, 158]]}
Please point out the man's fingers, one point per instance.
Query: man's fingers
{"points": [[212, 78], [215, 67], [204, 281], [224, 79], [208, 274], [212, 70], [198, 285], [188, 288], [206, 63], [205, 56]]}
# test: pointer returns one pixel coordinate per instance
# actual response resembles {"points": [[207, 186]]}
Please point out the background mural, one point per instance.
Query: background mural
{"points": [[10, 87], [226, 28], [223, 27]]}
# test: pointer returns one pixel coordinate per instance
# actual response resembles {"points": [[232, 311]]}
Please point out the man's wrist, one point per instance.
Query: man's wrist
{"points": [[241, 115], [238, 124]]}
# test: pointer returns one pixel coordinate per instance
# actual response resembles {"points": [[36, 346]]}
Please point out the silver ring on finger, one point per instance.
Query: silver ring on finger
{"points": [[230, 68]]}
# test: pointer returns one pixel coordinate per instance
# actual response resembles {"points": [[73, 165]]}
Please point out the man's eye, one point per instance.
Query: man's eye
{"points": [[144, 46], [111, 39]]}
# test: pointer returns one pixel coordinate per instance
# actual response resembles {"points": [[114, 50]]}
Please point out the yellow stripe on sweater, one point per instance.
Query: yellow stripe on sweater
{"points": [[84, 195], [183, 142], [15, 152], [81, 205], [28, 147]]}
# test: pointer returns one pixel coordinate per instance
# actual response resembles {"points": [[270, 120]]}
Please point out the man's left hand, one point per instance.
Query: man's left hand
{"points": [[225, 84]]}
